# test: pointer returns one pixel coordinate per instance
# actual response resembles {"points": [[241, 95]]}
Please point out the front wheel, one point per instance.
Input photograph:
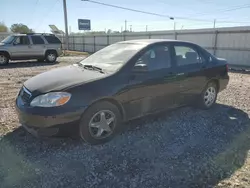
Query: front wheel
{"points": [[4, 60], [100, 123], [51, 57], [208, 96]]}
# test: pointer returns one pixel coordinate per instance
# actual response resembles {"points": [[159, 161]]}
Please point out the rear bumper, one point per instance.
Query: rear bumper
{"points": [[47, 122], [224, 82]]}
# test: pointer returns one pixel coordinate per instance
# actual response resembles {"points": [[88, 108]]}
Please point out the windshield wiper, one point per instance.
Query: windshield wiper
{"points": [[91, 67]]}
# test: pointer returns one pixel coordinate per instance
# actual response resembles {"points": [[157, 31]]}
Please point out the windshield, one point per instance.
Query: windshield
{"points": [[113, 57], [8, 40]]}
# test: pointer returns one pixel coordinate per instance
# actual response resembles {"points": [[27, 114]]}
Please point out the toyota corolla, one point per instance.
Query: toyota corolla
{"points": [[123, 81]]}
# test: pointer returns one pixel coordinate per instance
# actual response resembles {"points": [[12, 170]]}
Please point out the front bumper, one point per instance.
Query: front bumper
{"points": [[47, 121]]}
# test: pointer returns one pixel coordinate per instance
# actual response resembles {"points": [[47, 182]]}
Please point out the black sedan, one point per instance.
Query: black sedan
{"points": [[123, 81]]}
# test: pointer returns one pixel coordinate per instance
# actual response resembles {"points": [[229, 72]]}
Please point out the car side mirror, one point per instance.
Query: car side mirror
{"points": [[210, 59], [140, 68]]}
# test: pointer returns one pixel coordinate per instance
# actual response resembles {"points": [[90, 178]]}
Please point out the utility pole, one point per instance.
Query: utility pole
{"points": [[146, 28], [214, 23], [125, 25], [66, 24]]}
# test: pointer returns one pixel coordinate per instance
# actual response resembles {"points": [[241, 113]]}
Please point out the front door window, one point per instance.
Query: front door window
{"points": [[22, 40], [156, 58]]}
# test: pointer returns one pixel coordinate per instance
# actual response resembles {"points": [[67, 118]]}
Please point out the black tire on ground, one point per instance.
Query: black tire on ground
{"points": [[4, 59], [208, 96], [86, 131], [51, 56]]}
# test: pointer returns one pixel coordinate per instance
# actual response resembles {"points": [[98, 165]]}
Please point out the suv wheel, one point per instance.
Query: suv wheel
{"points": [[100, 123], [4, 60], [51, 57], [208, 96]]}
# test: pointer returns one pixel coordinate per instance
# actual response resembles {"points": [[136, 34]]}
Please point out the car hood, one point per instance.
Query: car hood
{"points": [[61, 78]]}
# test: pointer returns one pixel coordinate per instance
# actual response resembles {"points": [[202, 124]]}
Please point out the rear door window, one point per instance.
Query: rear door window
{"points": [[52, 40], [37, 40], [186, 55]]}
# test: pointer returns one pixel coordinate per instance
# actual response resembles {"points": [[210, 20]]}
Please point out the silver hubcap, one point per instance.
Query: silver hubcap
{"points": [[209, 96], [102, 124], [3, 59], [51, 57]]}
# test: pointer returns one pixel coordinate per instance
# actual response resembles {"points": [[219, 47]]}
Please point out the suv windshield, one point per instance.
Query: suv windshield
{"points": [[113, 57], [8, 40]]}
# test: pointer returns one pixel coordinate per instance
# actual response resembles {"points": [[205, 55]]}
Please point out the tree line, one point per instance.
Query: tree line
{"points": [[16, 28]]}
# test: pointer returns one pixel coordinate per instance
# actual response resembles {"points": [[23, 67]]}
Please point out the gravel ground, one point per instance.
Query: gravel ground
{"points": [[183, 148]]}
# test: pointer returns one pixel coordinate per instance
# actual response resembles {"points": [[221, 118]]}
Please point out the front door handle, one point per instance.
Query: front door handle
{"points": [[180, 74]]}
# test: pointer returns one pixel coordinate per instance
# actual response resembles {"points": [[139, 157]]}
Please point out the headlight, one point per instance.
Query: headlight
{"points": [[51, 99]]}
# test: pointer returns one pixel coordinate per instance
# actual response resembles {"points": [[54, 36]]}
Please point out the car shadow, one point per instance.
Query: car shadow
{"points": [[183, 148], [25, 64]]}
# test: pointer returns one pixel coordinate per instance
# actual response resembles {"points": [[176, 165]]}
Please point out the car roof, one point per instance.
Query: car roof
{"points": [[150, 41], [34, 34]]}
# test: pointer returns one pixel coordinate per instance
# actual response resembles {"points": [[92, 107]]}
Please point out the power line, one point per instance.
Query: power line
{"points": [[130, 9], [49, 11], [145, 12], [33, 13], [225, 10], [156, 14]]}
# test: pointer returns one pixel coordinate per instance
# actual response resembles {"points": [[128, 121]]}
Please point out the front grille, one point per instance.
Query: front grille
{"points": [[25, 95]]}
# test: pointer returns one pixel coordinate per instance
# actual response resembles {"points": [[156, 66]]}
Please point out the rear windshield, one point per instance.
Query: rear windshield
{"points": [[52, 39]]}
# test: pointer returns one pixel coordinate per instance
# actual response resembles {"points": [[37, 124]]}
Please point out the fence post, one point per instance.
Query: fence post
{"points": [[83, 41], [107, 40], [175, 35], [215, 42], [73, 37], [94, 45]]}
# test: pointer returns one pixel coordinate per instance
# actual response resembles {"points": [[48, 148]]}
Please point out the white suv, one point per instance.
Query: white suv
{"points": [[30, 46]]}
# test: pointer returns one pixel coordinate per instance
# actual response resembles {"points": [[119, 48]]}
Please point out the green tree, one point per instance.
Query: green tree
{"points": [[3, 27], [20, 28], [109, 31]]}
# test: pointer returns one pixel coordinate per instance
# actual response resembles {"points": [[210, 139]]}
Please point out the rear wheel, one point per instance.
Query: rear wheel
{"points": [[208, 96], [4, 59], [100, 123], [51, 56]]}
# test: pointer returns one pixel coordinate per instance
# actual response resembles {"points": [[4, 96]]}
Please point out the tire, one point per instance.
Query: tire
{"points": [[51, 56], [4, 59], [208, 96], [91, 120]]}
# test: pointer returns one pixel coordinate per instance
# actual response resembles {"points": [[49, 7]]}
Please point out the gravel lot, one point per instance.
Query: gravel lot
{"points": [[183, 148]]}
